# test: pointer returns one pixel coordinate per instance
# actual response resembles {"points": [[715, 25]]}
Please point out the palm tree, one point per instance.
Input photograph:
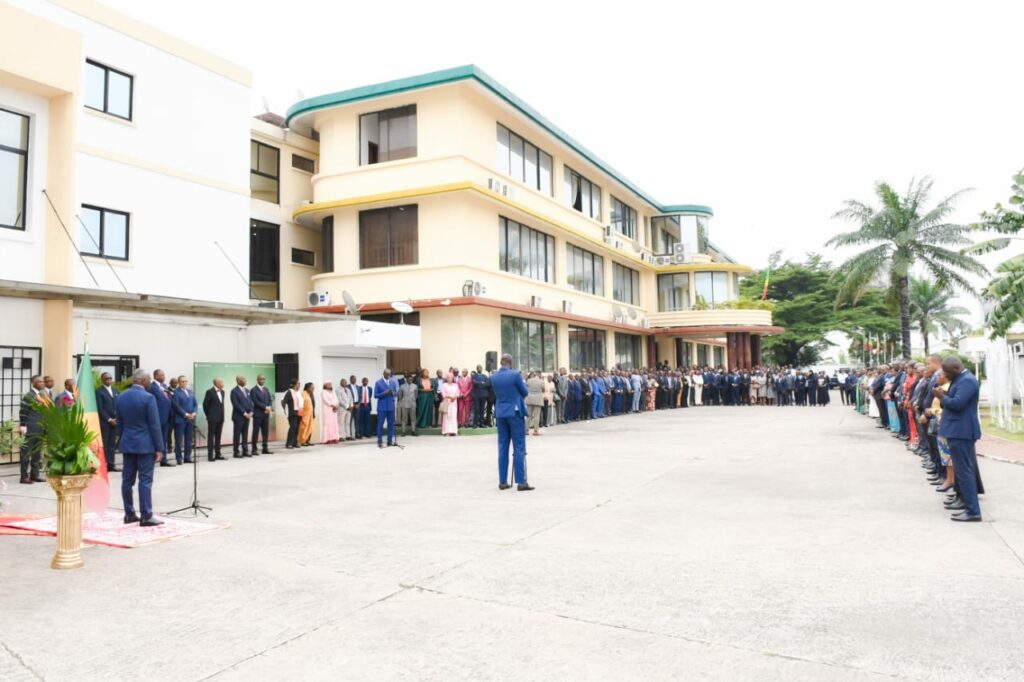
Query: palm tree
{"points": [[1005, 292], [903, 234], [930, 309]]}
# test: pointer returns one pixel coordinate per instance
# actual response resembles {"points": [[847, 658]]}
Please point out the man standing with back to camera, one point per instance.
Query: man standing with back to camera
{"points": [[142, 441], [510, 415]]}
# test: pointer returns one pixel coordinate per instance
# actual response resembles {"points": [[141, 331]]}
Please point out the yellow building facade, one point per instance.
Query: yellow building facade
{"points": [[447, 192]]}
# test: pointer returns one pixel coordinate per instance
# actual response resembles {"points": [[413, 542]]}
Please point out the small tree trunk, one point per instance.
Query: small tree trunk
{"points": [[924, 335], [904, 283]]}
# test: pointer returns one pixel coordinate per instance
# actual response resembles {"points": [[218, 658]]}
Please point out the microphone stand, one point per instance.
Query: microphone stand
{"points": [[196, 508]]}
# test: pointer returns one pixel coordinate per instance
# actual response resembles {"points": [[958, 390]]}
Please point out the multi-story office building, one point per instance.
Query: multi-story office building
{"points": [[124, 206], [448, 192]]}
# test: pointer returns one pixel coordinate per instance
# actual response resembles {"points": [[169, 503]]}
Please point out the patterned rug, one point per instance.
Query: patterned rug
{"points": [[109, 529], [6, 529]]}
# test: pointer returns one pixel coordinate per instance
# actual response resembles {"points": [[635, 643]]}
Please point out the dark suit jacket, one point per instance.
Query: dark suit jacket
{"points": [[240, 403], [509, 391], [184, 403], [163, 403], [262, 398], [960, 409], [141, 432], [288, 403], [213, 407], [28, 416], [106, 405]]}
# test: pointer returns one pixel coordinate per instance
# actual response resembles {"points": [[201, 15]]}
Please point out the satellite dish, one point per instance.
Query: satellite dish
{"points": [[350, 303], [632, 313], [617, 313], [477, 288], [637, 247], [403, 308]]}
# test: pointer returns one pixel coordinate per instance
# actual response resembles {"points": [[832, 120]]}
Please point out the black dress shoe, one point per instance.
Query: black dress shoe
{"points": [[255, 453], [524, 487], [955, 506], [220, 456], [268, 452], [391, 445], [236, 456], [188, 461], [944, 488], [166, 464], [212, 459], [246, 454], [26, 480], [38, 479], [130, 518], [504, 486], [380, 445], [964, 516], [113, 469], [147, 523]]}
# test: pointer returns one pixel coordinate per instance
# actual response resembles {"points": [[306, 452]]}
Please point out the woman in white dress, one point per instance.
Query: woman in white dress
{"points": [[697, 380], [449, 408], [872, 403]]}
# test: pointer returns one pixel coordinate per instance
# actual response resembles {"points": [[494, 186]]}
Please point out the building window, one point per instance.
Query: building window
{"points": [[627, 350], [623, 218], [104, 233], [531, 343], [264, 260], [702, 354], [674, 292], [582, 194], [524, 251], [387, 135], [712, 288], [302, 163], [719, 356], [327, 244], [303, 257], [388, 236], [264, 171], [108, 90], [523, 161], [13, 169], [584, 270], [586, 348], [625, 284], [667, 231]]}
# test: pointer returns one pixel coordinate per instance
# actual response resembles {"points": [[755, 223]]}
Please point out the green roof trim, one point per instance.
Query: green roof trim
{"points": [[467, 72]]}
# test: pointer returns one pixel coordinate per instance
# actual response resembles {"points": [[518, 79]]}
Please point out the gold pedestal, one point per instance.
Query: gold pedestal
{"points": [[69, 520]]}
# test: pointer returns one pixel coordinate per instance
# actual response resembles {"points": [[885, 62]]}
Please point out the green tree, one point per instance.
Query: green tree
{"points": [[1006, 290], [901, 233], [930, 308]]}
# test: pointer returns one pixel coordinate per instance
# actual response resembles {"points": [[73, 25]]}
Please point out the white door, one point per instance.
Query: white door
{"points": [[342, 367]]}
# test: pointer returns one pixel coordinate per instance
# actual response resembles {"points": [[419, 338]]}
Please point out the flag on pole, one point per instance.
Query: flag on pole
{"points": [[767, 276], [97, 495]]}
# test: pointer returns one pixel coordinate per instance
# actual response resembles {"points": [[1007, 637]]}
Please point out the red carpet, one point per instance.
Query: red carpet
{"points": [[15, 518], [109, 529]]}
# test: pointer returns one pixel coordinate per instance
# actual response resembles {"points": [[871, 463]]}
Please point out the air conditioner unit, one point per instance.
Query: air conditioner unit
{"points": [[681, 252], [536, 302], [479, 289], [608, 239], [276, 305], [566, 306], [318, 298], [678, 260], [663, 260]]}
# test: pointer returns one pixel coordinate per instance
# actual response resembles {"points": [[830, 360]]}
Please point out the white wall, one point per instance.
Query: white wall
{"points": [[23, 322], [21, 252]]}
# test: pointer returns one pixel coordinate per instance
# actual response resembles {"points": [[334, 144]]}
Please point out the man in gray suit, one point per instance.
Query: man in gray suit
{"points": [[534, 401], [407, 395], [562, 391]]}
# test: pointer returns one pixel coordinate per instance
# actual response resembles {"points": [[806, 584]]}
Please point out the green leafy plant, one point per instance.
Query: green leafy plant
{"points": [[747, 304], [701, 304], [10, 437], [66, 440]]}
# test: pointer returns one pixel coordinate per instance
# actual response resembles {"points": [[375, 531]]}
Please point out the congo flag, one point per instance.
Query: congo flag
{"points": [[97, 495]]}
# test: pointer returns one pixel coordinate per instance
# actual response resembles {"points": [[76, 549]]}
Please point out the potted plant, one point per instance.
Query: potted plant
{"points": [[70, 464]]}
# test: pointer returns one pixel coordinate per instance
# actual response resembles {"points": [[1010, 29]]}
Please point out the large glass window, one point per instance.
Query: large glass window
{"points": [[623, 218], [674, 292], [667, 231], [302, 163], [586, 348], [719, 356], [524, 251], [388, 236], [387, 135], [523, 161], [627, 350], [625, 284], [584, 271], [531, 343], [264, 260], [327, 243], [104, 233], [108, 90], [702, 354], [13, 169], [582, 194], [712, 287], [264, 171]]}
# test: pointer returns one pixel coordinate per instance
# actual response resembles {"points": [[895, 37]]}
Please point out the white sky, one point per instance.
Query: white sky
{"points": [[772, 113]]}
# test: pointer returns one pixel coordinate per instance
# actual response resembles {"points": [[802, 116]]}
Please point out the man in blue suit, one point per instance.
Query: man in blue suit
{"points": [[185, 407], [262, 408], [510, 415], [597, 385], [386, 389], [161, 394], [241, 415], [959, 425], [142, 443], [481, 393], [364, 396], [106, 405]]}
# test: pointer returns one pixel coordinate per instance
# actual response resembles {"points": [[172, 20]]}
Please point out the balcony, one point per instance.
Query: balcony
{"points": [[711, 318]]}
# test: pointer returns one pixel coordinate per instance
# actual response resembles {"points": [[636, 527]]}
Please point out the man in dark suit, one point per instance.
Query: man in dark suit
{"points": [[160, 393], [262, 407], [106, 405], [365, 394], [213, 408], [386, 388], [32, 429], [184, 419], [241, 415], [510, 415], [292, 404], [481, 389], [960, 427], [141, 441]]}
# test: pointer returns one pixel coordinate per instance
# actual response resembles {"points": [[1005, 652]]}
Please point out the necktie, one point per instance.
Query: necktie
{"points": [[366, 397]]}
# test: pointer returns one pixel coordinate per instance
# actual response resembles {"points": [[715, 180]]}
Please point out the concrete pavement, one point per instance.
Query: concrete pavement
{"points": [[712, 543]]}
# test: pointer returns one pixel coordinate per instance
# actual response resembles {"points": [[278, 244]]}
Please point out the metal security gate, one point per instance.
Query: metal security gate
{"points": [[17, 366]]}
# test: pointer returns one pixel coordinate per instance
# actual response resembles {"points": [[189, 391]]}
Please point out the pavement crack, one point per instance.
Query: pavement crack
{"points": [[14, 654], [995, 530]]}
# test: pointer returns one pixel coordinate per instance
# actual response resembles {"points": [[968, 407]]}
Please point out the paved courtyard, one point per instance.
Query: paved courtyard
{"points": [[713, 543]]}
